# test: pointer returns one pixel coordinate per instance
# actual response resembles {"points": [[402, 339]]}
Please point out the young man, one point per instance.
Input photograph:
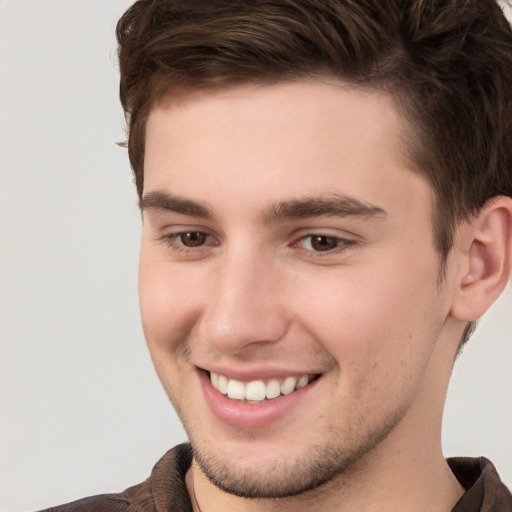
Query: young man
{"points": [[326, 192]]}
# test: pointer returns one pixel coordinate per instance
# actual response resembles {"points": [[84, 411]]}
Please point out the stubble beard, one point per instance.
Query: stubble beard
{"points": [[315, 467]]}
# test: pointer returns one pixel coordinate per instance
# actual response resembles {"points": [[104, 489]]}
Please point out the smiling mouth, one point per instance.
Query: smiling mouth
{"points": [[258, 391]]}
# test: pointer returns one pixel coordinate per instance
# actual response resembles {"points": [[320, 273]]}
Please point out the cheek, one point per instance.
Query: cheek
{"points": [[375, 325], [169, 304]]}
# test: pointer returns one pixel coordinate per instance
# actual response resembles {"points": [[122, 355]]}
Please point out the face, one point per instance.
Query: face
{"points": [[288, 281]]}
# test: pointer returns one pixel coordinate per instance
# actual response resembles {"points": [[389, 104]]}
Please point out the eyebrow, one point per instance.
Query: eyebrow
{"points": [[333, 205], [168, 202]]}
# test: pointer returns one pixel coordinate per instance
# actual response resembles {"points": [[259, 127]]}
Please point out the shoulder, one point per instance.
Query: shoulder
{"points": [[485, 491], [134, 498], [165, 489]]}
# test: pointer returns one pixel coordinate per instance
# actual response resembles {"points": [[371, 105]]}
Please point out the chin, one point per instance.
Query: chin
{"points": [[288, 471]]}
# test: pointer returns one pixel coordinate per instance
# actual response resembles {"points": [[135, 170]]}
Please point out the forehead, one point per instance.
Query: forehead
{"points": [[310, 104], [286, 139]]}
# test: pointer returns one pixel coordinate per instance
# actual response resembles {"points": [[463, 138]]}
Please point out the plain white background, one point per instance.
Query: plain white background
{"points": [[81, 409]]}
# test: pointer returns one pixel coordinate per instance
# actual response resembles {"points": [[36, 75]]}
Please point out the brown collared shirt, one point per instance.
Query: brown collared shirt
{"points": [[165, 490]]}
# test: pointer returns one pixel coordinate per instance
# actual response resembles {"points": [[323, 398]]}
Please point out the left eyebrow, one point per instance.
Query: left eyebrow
{"points": [[335, 205]]}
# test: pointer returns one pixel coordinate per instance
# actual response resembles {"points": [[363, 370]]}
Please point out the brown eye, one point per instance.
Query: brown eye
{"points": [[192, 238], [322, 243]]}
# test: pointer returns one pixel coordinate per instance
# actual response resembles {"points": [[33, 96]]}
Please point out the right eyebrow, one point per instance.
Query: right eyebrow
{"points": [[168, 202]]}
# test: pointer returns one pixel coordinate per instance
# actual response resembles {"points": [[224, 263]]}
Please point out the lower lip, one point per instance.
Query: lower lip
{"points": [[250, 416]]}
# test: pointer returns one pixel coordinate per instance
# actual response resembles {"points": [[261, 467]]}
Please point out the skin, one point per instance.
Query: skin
{"points": [[254, 296]]}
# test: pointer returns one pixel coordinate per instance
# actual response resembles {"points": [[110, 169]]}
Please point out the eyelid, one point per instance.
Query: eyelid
{"points": [[169, 239], [345, 242]]}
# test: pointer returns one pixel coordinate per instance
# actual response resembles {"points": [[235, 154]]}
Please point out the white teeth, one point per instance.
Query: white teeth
{"points": [[236, 390], [273, 389], [302, 382], [288, 385], [256, 391], [222, 384]]}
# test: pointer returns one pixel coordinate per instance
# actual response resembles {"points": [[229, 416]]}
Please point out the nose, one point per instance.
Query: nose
{"points": [[245, 306]]}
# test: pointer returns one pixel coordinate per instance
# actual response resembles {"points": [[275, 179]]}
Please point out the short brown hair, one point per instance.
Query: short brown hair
{"points": [[447, 64]]}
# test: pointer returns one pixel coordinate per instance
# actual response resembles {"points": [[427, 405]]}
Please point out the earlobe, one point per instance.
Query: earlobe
{"points": [[485, 251]]}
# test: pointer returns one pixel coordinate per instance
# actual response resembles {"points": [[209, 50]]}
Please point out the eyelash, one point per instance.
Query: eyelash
{"points": [[171, 241], [341, 244]]}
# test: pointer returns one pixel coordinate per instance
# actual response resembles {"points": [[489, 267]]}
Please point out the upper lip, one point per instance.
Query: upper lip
{"points": [[248, 375]]}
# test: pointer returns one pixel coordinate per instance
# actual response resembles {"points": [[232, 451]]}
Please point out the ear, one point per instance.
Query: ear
{"points": [[484, 250]]}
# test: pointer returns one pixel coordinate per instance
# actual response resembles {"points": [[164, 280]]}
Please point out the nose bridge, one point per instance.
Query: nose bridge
{"points": [[244, 306]]}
